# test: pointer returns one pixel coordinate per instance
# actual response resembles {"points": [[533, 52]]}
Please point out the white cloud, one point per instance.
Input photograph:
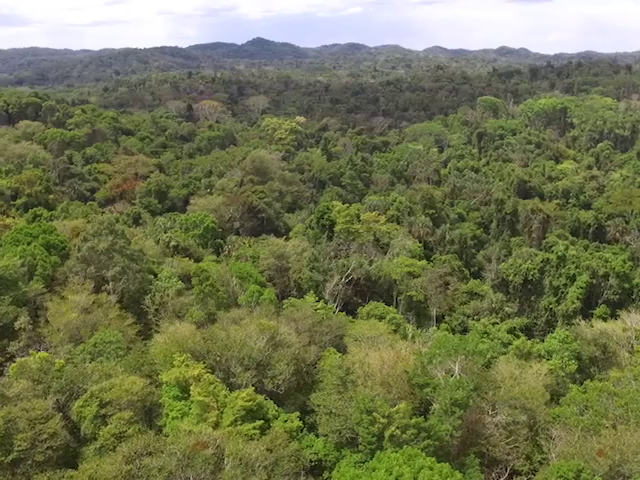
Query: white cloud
{"points": [[90, 11], [548, 26], [352, 11]]}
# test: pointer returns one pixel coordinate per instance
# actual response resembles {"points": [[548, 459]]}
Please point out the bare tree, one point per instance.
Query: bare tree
{"points": [[176, 107], [257, 105], [210, 111]]}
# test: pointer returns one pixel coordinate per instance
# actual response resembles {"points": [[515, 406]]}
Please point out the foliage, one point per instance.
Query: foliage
{"points": [[406, 463], [329, 263]]}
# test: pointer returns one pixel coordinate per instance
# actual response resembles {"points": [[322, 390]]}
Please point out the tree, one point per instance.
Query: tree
{"points": [[446, 376], [32, 188], [58, 141], [383, 313], [127, 173], [18, 106], [169, 300], [595, 424], [253, 196], [207, 142], [191, 234], [160, 194], [192, 397], [38, 247], [396, 465], [275, 353], [17, 157], [210, 111], [567, 471], [106, 257], [78, 314], [177, 107], [363, 400], [492, 107], [282, 133], [124, 401], [34, 440], [257, 105], [514, 412], [142, 456]]}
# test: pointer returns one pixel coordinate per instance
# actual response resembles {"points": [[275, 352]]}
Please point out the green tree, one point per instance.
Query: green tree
{"points": [[34, 439], [275, 353], [105, 256], [191, 234], [192, 397], [405, 463], [595, 424], [39, 248], [77, 315], [124, 401]]}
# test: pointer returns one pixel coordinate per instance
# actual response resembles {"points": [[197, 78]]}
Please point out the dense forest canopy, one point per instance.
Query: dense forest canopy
{"points": [[341, 274], [51, 67]]}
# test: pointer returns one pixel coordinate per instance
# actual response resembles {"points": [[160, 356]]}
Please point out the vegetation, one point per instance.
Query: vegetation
{"points": [[48, 67], [201, 279]]}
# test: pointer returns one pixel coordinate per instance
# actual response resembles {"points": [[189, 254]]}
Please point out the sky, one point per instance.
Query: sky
{"points": [[547, 26]]}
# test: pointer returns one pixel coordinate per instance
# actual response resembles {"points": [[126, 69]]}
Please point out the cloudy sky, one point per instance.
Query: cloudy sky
{"points": [[542, 25]]}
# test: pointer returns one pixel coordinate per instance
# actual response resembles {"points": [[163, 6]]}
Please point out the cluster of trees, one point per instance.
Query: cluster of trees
{"points": [[208, 290]]}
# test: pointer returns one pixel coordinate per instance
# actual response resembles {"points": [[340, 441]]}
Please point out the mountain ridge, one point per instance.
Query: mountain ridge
{"points": [[261, 41], [46, 66]]}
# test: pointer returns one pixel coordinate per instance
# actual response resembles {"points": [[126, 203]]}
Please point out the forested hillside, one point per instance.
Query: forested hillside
{"points": [[51, 67], [279, 275]]}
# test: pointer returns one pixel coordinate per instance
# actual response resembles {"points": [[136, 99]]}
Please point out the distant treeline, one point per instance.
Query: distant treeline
{"points": [[50, 67]]}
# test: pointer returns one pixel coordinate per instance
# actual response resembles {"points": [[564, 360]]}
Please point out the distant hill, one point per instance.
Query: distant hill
{"points": [[44, 66]]}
